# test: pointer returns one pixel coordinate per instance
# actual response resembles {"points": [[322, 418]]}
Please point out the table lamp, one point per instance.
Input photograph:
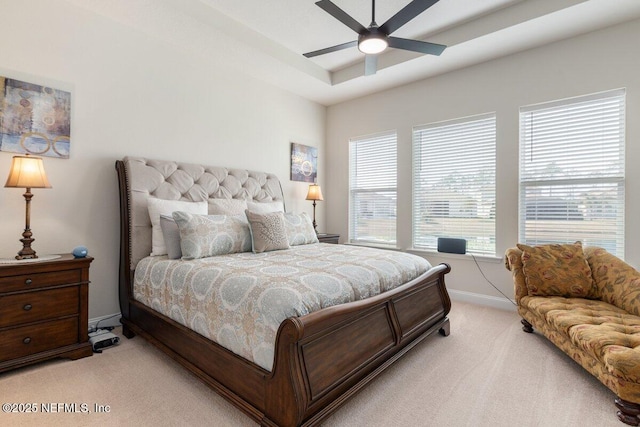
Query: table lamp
{"points": [[315, 194], [27, 172]]}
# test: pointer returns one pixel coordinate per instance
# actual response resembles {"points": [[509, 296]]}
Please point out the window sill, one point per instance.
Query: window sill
{"points": [[426, 252], [374, 245], [467, 256]]}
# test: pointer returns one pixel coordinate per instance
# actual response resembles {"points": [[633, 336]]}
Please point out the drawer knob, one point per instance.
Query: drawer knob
{"points": [[28, 282], [27, 340], [27, 307]]}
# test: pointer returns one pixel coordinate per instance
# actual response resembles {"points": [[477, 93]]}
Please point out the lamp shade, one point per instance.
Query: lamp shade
{"points": [[27, 172], [315, 192]]}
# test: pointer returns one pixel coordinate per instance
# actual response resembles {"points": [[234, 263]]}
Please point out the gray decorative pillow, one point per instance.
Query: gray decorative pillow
{"points": [[171, 235], [159, 207], [209, 235], [227, 206], [300, 229], [268, 231]]}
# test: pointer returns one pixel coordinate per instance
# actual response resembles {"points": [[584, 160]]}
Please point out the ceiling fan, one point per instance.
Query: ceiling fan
{"points": [[375, 39]]}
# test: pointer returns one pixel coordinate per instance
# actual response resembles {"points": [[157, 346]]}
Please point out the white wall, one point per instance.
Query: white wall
{"points": [[135, 95], [594, 62]]}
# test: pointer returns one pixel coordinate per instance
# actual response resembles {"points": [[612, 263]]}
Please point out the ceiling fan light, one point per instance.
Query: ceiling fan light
{"points": [[372, 44]]}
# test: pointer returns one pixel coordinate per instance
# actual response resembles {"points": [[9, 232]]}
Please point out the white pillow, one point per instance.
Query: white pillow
{"points": [[266, 207], [159, 207], [227, 206]]}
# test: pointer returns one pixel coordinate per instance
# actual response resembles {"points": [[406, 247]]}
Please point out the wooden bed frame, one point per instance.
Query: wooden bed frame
{"points": [[321, 359]]}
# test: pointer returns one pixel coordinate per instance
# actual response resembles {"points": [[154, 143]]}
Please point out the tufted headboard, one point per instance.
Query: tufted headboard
{"points": [[141, 178]]}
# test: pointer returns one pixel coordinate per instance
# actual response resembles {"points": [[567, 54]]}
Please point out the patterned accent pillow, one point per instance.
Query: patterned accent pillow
{"points": [[203, 236], [159, 207], [227, 206], [300, 229], [558, 270], [268, 231]]}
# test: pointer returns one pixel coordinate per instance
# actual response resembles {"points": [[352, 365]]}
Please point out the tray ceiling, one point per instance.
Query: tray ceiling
{"points": [[266, 39]]}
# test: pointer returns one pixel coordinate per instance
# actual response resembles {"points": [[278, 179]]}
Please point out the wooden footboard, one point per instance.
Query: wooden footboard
{"points": [[324, 358], [321, 359]]}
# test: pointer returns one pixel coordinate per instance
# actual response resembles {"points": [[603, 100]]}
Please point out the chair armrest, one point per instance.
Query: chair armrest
{"points": [[513, 263], [617, 282]]}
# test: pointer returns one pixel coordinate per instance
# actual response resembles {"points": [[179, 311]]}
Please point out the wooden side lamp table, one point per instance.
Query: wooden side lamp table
{"points": [[44, 310], [328, 238]]}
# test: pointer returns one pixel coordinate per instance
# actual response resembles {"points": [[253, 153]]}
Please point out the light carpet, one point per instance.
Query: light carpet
{"points": [[486, 373]]}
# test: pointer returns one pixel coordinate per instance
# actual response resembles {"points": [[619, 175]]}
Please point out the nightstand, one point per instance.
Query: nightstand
{"points": [[328, 238], [44, 311]]}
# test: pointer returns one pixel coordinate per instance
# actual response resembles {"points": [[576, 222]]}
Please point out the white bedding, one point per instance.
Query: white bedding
{"points": [[239, 300]]}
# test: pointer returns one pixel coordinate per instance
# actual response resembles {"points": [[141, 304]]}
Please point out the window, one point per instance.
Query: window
{"points": [[372, 189], [572, 171], [454, 183]]}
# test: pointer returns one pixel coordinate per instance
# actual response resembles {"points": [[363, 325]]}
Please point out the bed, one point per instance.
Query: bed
{"points": [[314, 360]]}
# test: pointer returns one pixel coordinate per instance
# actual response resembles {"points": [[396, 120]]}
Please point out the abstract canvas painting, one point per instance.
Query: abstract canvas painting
{"points": [[34, 119], [304, 163]]}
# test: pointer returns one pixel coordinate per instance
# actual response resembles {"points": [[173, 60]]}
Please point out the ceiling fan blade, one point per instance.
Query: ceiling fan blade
{"points": [[370, 65], [331, 49], [410, 11], [341, 16], [416, 46]]}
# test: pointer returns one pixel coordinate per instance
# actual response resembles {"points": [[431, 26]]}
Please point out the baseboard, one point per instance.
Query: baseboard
{"points": [[473, 298], [108, 320]]}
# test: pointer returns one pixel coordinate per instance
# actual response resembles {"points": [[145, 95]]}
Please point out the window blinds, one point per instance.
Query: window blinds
{"points": [[454, 183], [372, 188], [572, 171]]}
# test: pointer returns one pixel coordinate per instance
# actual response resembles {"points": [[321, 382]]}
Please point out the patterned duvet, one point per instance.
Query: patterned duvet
{"points": [[239, 300]]}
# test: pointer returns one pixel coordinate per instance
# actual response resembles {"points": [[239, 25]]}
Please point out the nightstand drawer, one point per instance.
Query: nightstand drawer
{"points": [[33, 306], [27, 340], [36, 280]]}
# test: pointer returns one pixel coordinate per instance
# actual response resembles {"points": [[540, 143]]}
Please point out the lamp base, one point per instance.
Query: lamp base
{"points": [[314, 218], [27, 252]]}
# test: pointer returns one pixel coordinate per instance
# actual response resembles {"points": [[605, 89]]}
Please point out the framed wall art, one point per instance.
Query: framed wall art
{"points": [[304, 163], [34, 119]]}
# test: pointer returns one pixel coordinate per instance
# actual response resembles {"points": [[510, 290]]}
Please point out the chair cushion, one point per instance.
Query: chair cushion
{"points": [[606, 332]]}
